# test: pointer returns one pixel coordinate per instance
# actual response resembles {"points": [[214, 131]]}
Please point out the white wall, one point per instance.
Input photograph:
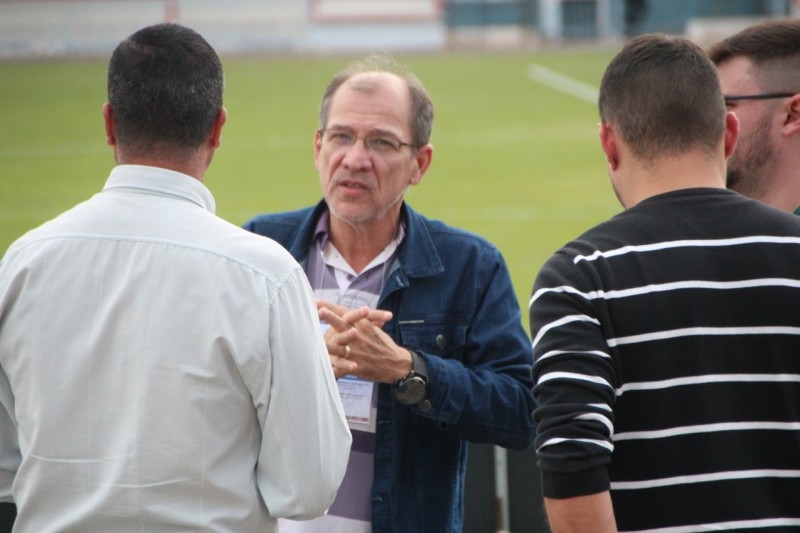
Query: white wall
{"points": [[30, 28]]}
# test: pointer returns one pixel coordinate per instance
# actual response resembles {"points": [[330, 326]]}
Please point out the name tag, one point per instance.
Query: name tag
{"points": [[356, 395]]}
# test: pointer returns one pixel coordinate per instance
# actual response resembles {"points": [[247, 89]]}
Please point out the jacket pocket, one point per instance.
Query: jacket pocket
{"points": [[444, 339]]}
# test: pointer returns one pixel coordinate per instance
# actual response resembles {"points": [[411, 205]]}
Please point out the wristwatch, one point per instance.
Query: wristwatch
{"points": [[413, 388]]}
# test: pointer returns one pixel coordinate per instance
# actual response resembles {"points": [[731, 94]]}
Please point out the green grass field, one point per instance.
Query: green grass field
{"points": [[514, 159]]}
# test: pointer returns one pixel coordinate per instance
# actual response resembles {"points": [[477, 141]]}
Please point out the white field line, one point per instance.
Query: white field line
{"points": [[565, 84]]}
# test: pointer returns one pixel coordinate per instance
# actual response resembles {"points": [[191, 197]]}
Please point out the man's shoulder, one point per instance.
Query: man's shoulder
{"points": [[283, 227], [266, 222], [250, 251], [687, 216], [443, 233]]}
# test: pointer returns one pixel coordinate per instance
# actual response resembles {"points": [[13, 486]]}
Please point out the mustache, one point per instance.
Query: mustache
{"points": [[354, 183]]}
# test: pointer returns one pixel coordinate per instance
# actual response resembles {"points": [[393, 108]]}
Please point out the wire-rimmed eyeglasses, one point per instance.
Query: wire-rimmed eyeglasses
{"points": [[379, 143]]}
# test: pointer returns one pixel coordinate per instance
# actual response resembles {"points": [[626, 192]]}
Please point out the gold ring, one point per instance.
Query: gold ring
{"points": [[346, 351]]}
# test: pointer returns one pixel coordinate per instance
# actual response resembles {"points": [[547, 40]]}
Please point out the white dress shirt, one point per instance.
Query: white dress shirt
{"points": [[162, 370]]}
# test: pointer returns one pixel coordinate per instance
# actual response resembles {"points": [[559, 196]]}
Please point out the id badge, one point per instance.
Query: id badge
{"points": [[357, 396]]}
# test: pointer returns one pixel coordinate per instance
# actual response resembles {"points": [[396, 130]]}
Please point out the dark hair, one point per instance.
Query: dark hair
{"points": [[774, 49], [165, 87], [663, 95], [421, 119]]}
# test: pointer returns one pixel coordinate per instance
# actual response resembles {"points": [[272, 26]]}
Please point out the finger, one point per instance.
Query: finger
{"points": [[335, 342], [379, 317], [343, 322], [334, 348], [342, 367], [338, 341], [336, 308], [354, 315], [336, 322]]}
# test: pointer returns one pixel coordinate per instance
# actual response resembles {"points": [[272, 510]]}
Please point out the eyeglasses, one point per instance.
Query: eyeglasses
{"points": [[765, 96], [379, 144]]}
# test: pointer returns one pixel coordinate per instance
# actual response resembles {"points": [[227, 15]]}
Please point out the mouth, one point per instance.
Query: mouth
{"points": [[352, 185]]}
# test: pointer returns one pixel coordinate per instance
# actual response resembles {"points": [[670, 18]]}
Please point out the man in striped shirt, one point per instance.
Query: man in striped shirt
{"points": [[667, 339]]}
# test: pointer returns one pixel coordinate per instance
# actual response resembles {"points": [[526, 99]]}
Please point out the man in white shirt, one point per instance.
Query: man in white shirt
{"points": [[160, 368]]}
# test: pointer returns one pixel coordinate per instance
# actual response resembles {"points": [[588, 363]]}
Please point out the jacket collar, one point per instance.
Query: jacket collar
{"points": [[417, 255]]}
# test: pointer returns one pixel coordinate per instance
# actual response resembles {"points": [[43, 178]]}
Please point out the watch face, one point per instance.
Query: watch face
{"points": [[412, 391]]}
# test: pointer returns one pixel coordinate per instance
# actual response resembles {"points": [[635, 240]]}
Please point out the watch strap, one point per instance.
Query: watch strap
{"points": [[412, 388], [418, 365]]}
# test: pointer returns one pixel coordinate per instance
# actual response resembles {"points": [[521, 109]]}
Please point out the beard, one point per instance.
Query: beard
{"points": [[749, 167], [367, 215]]}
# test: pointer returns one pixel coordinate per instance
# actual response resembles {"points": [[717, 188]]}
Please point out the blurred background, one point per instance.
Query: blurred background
{"points": [[514, 83], [31, 28]]}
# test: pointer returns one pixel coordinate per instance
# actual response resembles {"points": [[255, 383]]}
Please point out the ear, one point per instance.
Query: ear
{"points": [[215, 136], [792, 122], [317, 148], [731, 133], [610, 145], [108, 118], [424, 157]]}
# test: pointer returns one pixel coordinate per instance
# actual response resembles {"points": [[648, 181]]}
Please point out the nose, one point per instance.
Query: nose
{"points": [[357, 156]]}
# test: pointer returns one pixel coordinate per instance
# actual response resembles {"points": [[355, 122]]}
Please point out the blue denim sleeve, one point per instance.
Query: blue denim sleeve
{"points": [[480, 390]]}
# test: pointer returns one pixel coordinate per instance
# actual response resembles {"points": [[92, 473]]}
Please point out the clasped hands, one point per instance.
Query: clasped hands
{"points": [[358, 346]]}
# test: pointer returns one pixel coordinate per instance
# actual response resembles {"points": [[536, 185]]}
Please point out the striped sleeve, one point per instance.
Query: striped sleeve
{"points": [[574, 385]]}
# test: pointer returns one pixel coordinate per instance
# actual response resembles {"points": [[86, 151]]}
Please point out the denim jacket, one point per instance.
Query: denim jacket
{"points": [[452, 301]]}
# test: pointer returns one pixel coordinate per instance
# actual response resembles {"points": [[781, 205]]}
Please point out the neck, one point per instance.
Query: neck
{"points": [[195, 166], [360, 243], [684, 171], [783, 189]]}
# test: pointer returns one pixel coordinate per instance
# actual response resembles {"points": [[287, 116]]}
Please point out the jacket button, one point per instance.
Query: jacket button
{"points": [[425, 405], [440, 341]]}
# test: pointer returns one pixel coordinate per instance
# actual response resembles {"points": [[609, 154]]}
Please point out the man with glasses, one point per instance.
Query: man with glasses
{"points": [[425, 333], [759, 70]]}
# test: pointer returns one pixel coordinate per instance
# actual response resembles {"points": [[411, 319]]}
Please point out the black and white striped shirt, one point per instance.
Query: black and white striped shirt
{"points": [[667, 364]]}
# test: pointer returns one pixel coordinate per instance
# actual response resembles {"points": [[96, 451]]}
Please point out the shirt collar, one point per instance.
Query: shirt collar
{"points": [[322, 231], [161, 182]]}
